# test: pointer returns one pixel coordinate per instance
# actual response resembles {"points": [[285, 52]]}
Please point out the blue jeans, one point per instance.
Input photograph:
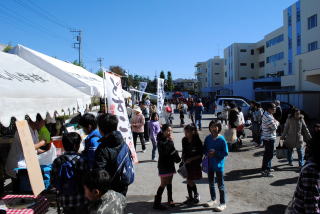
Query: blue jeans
{"points": [[268, 154], [154, 149], [220, 181], [198, 123], [300, 155]]}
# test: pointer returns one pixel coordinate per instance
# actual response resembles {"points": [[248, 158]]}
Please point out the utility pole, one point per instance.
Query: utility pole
{"points": [[100, 60], [78, 44]]}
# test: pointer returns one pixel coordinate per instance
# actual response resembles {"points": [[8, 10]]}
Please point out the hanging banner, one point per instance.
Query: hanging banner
{"points": [[116, 106], [160, 95], [142, 87]]}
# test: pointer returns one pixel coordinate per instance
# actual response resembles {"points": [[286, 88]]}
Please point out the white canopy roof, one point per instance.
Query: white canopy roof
{"points": [[74, 75], [27, 90]]}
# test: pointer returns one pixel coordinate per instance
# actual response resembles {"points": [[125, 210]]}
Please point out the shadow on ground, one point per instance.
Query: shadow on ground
{"points": [[273, 209], [242, 174]]}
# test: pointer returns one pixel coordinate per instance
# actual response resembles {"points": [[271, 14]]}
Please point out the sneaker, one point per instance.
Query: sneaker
{"points": [[266, 173], [144, 151], [210, 203], [147, 142], [271, 170], [196, 199], [189, 201], [220, 208]]}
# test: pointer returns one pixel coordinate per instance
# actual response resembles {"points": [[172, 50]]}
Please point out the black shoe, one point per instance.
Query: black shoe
{"points": [[196, 199], [189, 201], [157, 204]]}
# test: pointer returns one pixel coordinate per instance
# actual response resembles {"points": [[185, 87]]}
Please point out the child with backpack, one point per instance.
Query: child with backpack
{"points": [[66, 176], [102, 199], [154, 129], [215, 150], [113, 154]]}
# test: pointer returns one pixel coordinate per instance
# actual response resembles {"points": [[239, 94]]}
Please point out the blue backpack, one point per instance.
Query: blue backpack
{"points": [[125, 167], [67, 184]]}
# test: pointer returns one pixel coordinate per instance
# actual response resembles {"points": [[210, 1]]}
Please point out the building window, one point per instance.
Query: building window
{"points": [[217, 63], [243, 64], [252, 65], [225, 75], [312, 21], [261, 64], [298, 15], [275, 57], [217, 84], [290, 43], [243, 78], [261, 50], [289, 20], [313, 46], [252, 51], [299, 40], [216, 73], [243, 50], [274, 41]]}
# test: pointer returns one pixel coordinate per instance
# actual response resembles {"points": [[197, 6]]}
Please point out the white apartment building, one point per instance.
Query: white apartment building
{"points": [[210, 76]]}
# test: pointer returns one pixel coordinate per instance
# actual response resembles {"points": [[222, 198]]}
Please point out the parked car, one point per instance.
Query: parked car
{"points": [[219, 105], [286, 107]]}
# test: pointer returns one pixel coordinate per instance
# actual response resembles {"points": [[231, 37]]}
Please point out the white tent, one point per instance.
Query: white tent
{"points": [[75, 76], [27, 90]]}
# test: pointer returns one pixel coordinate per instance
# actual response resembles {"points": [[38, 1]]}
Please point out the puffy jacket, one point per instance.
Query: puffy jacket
{"points": [[106, 158]]}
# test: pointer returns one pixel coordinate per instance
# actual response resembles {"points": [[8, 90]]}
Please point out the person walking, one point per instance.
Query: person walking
{"points": [[216, 150], [191, 109], [256, 124], [198, 110], [192, 150], [269, 127], [181, 113], [295, 134], [146, 113], [168, 156], [137, 124], [154, 129]]}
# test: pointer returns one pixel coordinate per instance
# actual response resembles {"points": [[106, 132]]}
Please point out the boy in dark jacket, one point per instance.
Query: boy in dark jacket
{"points": [[108, 150]]}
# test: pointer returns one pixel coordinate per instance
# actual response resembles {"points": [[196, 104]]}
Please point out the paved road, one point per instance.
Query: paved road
{"points": [[247, 191]]}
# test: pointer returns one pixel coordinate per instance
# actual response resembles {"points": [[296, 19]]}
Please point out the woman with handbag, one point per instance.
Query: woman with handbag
{"points": [[192, 150], [295, 134], [216, 150], [168, 156]]}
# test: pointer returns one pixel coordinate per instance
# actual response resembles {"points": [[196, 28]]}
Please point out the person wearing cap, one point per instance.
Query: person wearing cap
{"points": [[137, 123]]}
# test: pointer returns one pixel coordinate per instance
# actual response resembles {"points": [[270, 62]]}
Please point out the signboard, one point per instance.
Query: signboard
{"points": [[142, 87], [116, 106], [30, 156], [160, 95]]}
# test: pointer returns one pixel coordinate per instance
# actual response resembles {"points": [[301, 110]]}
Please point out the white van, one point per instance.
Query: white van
{"points": [[238, 101]]}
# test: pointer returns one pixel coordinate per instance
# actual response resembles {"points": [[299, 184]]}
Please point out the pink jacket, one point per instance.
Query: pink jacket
{"points": [[139, 121]]}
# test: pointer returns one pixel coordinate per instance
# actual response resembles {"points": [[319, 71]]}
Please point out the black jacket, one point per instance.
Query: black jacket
{"points": [[233, 117], [106, 158], [168, 155]]}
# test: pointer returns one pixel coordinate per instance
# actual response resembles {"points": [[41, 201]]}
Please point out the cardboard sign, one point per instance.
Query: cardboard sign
{"points": [[116, 106], [30, 156]]}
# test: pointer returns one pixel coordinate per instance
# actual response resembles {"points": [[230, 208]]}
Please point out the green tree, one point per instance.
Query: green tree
{"points": [[7, 48], [75, 62], [162, 75], [170, 85], [100, 73], [117, 70]]}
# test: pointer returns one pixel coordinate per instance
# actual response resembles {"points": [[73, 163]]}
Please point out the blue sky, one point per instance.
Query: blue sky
{"points": [[142, 36]]}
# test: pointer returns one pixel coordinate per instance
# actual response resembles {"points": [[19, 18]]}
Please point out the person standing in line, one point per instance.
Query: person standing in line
{"points": [[269, 135], [154, 129], [306, 198], [294, 135], [192, 150], [168, 156], [256, 124], [191, 109], [198, 110], [137, 124], [91, 143], [146, 113], [216, 149]]}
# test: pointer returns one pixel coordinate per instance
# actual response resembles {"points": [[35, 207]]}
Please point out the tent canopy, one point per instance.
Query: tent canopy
{"points": [[27, 90], [74, 75]]}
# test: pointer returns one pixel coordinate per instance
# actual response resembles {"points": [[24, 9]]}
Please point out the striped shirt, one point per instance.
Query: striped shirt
{"points": [[269, 127], [307, 194]]}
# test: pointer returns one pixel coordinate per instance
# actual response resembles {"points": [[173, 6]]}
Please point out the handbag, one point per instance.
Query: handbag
{"points": [[183, 171], [205, 164], [281, 151]]}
